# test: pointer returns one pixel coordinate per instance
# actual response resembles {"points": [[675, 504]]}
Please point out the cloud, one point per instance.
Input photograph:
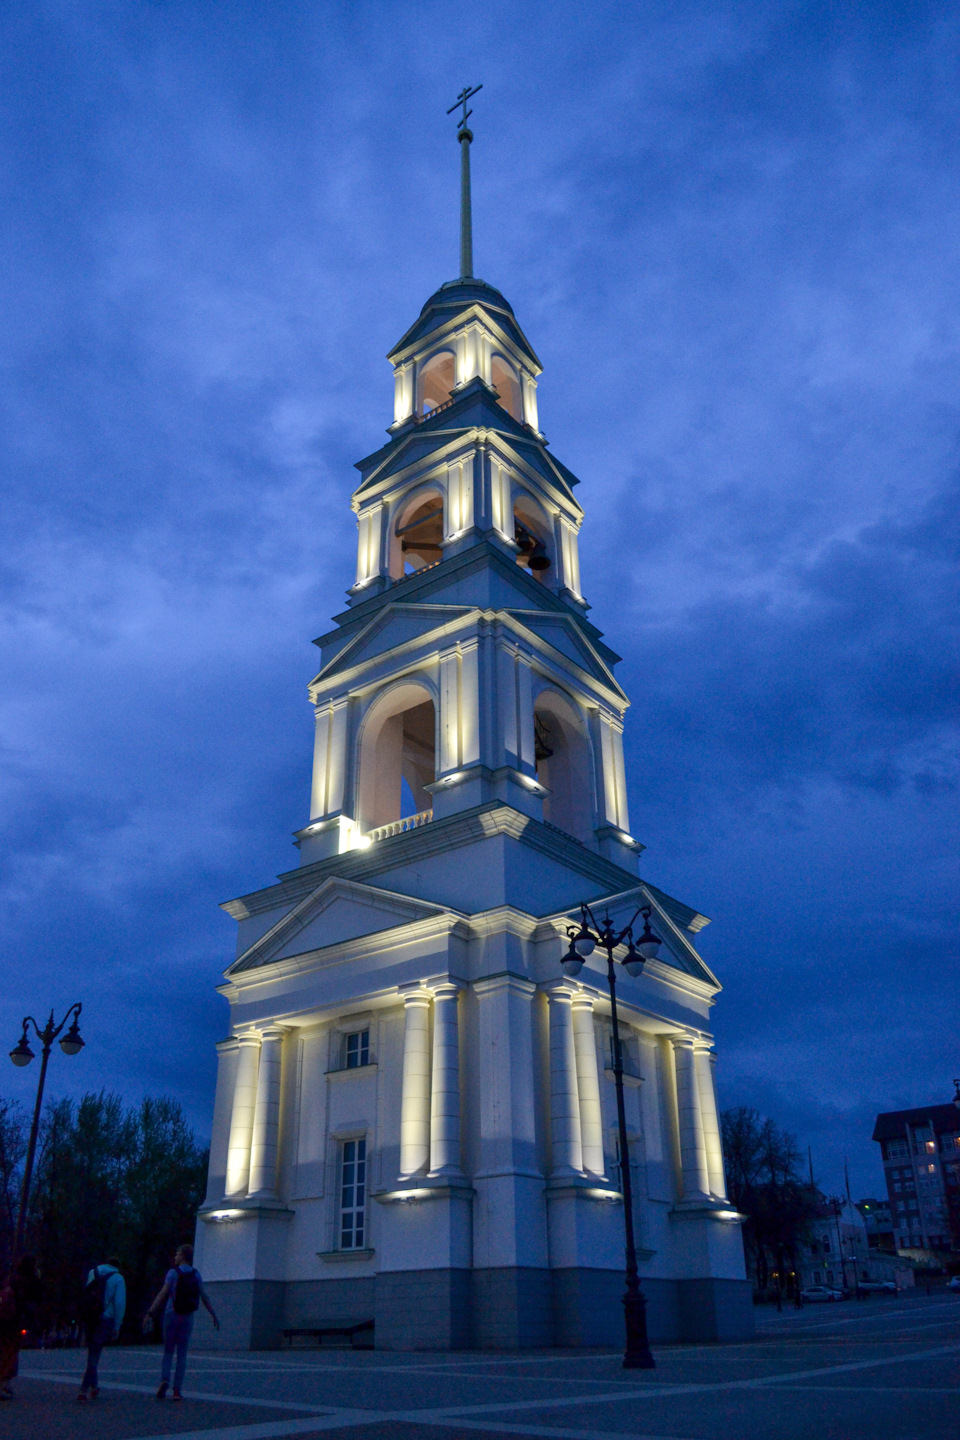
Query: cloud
{"points": [[729, 231]]}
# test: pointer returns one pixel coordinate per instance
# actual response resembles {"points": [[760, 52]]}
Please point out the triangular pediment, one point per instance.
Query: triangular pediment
{"points": [[670, 919], [337, 911], [562, 633], [395, 625]]}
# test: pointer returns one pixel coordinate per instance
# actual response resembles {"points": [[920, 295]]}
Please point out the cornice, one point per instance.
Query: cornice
{"points": [[466, 827], [555, 485], [410, 655], [457, 567], [345, 952]]}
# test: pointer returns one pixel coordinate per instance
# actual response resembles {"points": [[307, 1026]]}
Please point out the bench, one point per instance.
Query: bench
{"points": [[339, 1332]]}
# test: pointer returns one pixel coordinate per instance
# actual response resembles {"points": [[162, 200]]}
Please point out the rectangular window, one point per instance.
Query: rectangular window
{"points": [[353, 1194], [356, 1049]]}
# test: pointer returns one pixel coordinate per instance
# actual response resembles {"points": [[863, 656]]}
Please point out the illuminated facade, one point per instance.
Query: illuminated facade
{"points": [[415, 1120]]}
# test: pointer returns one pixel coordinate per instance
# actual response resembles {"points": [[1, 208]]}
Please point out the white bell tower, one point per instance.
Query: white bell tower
{"points": [[415, 1123]]}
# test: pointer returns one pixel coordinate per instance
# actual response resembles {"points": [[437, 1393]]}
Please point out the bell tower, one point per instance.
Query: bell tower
{"points": [[465, 671], [415, 1126]]}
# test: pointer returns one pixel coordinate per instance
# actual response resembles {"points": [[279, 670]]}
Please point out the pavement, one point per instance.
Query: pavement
{"points": [[884, 1369]]}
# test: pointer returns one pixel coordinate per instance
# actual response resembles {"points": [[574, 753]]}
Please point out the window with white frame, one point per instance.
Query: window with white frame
{"points": [[353, 1194], [356, 1049]]}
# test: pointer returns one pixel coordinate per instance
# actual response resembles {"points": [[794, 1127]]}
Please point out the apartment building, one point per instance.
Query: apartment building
{"points": [[921, 1163]]}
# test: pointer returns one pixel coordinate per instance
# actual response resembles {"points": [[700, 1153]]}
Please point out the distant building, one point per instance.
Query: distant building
{"points": [[837, 1250], [878, 1223], [921, 1162]]}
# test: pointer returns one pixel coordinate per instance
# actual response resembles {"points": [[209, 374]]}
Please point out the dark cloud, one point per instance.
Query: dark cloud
{"points": [[730, 232]]}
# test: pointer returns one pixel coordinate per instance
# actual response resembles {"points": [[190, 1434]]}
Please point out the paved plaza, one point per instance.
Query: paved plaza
{"points": [[886, 1369]]}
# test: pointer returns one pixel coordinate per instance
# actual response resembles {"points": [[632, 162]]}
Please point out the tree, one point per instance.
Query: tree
{"points": [[13, 1147], [765, 1182], [109, 1181]]}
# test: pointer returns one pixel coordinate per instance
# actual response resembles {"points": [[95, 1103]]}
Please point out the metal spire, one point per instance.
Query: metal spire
{"points": [[465, 135]]}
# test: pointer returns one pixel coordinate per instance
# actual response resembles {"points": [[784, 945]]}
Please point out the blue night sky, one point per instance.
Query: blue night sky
{"points": [[731, 233]]}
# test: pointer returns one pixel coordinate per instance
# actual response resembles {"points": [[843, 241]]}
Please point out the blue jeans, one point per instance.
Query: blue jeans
{"points": [[96, 1340], [177, 1330]]}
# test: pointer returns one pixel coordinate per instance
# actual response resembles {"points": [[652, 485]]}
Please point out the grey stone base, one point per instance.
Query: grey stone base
{"points": [[715, 1309], [250, 1314], [509, 1309], [512, 1309], [422, 1310]]}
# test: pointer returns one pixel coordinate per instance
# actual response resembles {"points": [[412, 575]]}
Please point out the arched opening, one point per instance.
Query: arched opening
{"points": [[507, 386], [418, 534], [532, 532], [561, 750], [397, 757], [437, 379]]}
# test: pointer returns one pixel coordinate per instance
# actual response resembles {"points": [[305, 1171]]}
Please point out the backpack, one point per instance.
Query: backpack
{"points": [[92, 1300], [186, 1296]]}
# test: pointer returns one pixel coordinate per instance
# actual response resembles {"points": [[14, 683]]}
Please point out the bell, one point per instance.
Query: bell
{"points": [[538, 558]]}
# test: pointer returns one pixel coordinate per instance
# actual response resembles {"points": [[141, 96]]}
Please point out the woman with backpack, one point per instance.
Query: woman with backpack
{"points": [[180, 1300]]}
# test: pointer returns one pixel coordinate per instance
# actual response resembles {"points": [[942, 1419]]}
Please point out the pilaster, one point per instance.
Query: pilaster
{"points": [[693, 1152], [415, 1085], [265, 1143], [445, 1089], [241, 1121]]}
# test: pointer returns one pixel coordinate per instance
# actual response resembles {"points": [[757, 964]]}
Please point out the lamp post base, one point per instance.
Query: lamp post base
{"points": [[637, 1355]]}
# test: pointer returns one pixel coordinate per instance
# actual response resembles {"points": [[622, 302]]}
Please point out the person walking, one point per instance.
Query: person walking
{"points": [[180, 1299], [20, 1297], [102, 1310], [9, 1337]]}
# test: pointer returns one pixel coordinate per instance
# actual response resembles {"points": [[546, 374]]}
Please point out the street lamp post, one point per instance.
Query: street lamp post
{"points": [[583, 942], [21, 1054]]}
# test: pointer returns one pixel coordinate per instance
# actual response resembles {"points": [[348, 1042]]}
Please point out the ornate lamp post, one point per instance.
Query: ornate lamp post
{"points": [[583, 942], [21, 1054]]}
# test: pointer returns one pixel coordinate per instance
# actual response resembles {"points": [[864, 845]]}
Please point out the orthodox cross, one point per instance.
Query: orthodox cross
{"points": [[465, 136], [466, 94]]}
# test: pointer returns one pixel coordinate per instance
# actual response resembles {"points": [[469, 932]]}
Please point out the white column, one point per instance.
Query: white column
{"points": [[415, 1086], [445, 1097], [265, 1144], [705, 1062], [530, 400], [693, 1153], [588, 1085], [564, 1100], [227, 1055], [321, 748], [525, 748], [469, 702], [449, 712], [241, 1120], [402, 392]]}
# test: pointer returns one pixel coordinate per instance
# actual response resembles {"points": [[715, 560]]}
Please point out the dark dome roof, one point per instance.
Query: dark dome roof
{"points": [[458, 295], [458, 292]]}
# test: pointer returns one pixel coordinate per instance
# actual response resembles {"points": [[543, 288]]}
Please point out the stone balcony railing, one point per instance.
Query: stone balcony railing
{"points": [[399, 827]]}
